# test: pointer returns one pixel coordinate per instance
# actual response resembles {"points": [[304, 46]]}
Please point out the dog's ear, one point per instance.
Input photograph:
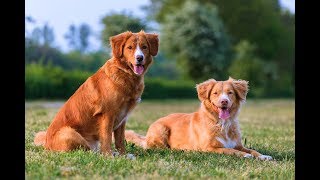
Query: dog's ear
{"points": [[117, 42], [204, 89], [241, 87], [153, 41]]}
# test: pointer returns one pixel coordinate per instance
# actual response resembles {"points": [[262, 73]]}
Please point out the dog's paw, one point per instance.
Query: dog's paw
{"points": [[248, 156], [264, 157], [131, 156], [114, 154]]}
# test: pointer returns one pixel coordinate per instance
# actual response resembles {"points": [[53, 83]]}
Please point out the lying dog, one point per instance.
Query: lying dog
{"points": [[100, 106], [213, 128]]}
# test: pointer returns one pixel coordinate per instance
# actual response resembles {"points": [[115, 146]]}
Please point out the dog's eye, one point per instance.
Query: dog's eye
{"points": [[215, 93], [129, 47], [144, 47], [230, 92]]}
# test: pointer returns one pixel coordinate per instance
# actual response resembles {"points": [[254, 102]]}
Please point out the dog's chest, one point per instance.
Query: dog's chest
{"points": [[124, 113], [227, 137], [227, 142]]}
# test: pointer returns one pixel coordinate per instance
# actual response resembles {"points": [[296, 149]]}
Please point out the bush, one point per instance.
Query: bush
{"points": [[50, 82], [159, 88]]}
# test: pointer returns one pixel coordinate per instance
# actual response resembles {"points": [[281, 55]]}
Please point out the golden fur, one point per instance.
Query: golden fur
{"points": [[212, 128], [100, 106]]}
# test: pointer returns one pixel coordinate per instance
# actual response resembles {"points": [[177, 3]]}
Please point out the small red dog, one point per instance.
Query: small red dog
{"points": [[100, 106], [213, 128]]}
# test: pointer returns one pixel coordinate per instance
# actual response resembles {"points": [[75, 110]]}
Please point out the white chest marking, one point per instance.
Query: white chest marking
{"points": [[227, 143], [123, 117]]}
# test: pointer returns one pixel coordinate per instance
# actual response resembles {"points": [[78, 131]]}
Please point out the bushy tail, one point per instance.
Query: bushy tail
{"points": [[40, 138], [135, 138]]}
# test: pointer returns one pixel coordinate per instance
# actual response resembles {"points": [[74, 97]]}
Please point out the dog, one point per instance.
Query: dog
{"points": [[213, 127], [99, 108]]}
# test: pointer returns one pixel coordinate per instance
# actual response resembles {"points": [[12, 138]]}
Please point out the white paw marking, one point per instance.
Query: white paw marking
{"points": [[248, 155], [265, 157], [114, 154], [131, 156]]}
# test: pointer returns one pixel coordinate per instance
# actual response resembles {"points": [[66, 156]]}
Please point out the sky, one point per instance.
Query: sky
{"points": [[60, 14]]}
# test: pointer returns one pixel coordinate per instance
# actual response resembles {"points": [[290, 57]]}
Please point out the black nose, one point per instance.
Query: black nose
{"points": [[139, 58], [224, 102]]}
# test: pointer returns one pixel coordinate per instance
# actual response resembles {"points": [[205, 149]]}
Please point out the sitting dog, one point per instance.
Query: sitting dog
{"points": [[213, 127], [100, 106]]}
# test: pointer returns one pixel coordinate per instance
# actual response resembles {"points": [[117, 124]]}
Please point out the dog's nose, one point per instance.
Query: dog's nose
{"points": [[224, 102], [139, 58]]}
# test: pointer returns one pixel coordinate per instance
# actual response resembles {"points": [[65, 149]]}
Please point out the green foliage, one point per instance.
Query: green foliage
{"points": [[161, 88], [249, 67], [51, 82], [194, 36], [164, 68], [36, 53], [116, 23]]}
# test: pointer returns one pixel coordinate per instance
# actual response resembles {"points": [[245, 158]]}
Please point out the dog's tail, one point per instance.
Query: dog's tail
{"points": [[40, 138], [135, 138]]}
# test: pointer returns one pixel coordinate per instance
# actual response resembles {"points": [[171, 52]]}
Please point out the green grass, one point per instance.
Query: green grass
{"points": [[266, 125]]}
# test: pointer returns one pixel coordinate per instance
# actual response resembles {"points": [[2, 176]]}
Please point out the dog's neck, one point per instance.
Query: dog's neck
{"points": [[116, 66]]}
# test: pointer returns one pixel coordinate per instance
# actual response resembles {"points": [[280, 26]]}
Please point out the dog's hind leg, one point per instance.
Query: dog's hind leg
{"points": [[157, 136], [67, 139]]}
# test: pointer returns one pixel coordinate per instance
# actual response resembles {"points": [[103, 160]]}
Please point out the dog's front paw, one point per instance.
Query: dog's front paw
{"points": [[131, 156], [264, 157], [114, 154], [248, 156]]}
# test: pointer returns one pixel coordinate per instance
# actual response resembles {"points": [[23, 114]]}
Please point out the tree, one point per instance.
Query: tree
{"points": [[84, 33], [43, 35], [78, 38], [116, 23], [48, 35], [195, 37], [258, 21], [248, 66], [71, 36]]}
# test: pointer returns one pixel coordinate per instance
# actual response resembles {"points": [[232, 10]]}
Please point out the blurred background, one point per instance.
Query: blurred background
{"points": [[254, 40]]}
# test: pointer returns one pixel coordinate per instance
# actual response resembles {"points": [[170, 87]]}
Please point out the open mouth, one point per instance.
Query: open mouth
{"points": [[224, 113], [138, 68]]}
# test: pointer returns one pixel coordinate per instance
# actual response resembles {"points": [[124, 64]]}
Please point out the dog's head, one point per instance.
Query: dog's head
{"points": [[136, 49], [223, 97]]}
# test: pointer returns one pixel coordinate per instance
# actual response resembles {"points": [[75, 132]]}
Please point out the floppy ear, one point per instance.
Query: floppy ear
{"points": [[117, 42], [241, 87], [153, 42], [204, 89]]}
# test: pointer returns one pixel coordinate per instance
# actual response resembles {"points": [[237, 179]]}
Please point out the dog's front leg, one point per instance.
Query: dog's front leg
{"points": [[254, 153], [229, 151], [119, 138], [105, 134]]}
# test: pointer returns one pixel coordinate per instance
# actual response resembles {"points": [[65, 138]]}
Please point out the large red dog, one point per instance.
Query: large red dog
{"points": [[213, 127], [100, 106]]}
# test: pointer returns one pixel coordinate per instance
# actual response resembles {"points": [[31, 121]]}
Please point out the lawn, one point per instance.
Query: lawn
{"points": [[267, 126]]}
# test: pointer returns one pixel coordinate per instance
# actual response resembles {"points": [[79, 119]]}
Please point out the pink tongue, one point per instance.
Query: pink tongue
{"points": [[224, 114], [138, 69]]}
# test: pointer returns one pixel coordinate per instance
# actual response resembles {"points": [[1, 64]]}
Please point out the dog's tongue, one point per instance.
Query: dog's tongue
{"points": [[224, 114], [138, 69]]}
